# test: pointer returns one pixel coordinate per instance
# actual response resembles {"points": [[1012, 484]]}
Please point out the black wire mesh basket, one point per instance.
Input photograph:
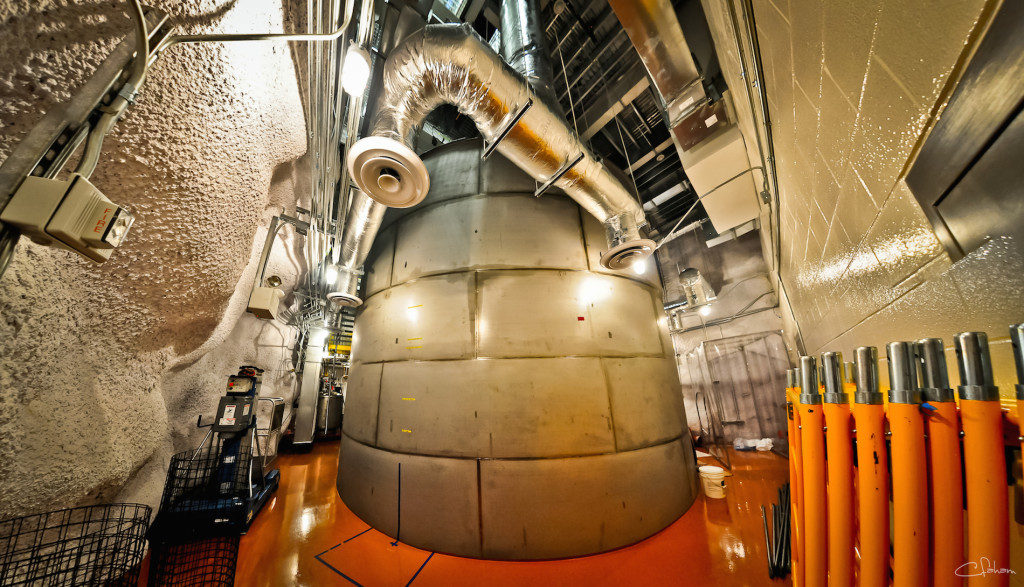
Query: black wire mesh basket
{"points": [[91, 545], [197, 562], [207, 492]]}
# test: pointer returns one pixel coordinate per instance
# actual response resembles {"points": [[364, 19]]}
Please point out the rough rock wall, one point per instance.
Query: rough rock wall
{"points": [[103, 368]]}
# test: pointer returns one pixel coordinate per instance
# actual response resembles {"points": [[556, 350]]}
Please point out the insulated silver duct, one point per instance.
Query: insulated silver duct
{"points": [[523, 46], [653, 28], [451, 64], [361, 225], [363, 215]]}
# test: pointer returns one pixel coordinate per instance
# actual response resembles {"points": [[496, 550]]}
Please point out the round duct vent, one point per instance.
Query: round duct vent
{"points": [[624, 255], [343, 299], [388, 171]]}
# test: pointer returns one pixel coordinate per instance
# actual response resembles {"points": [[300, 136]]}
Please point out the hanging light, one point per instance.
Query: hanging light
{"points": [[355, 70], [705, 310]]}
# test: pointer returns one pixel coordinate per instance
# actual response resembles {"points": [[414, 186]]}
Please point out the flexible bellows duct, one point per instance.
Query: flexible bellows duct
{"points": [[361, 224], [523, 46], [451, 64]]}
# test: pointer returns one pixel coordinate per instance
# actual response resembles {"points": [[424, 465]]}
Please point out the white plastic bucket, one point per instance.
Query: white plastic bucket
{"points": [[713, 479]]}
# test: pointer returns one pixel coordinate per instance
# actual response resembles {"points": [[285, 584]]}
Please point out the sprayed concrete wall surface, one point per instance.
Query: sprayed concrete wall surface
{"points": [[509, 398], [853, 89], [103, 368]]}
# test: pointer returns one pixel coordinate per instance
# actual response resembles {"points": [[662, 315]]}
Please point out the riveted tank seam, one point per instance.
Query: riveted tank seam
{"points": [[645, 446], [491, 269]]}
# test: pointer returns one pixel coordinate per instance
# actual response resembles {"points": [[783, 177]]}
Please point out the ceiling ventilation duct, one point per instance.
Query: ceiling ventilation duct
{"points": [[361, 225], [451, 64], [710, 146], [523, 46]]}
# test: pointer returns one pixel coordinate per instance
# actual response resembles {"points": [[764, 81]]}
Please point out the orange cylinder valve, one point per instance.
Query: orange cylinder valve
{"points": [[839, 448], [945, 489], [909, 470], [872, 472], [796, 478], [988, 532], [812, 445]]}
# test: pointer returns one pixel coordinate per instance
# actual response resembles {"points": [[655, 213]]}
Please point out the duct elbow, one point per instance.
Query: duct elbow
{"points": [[451, 64]]}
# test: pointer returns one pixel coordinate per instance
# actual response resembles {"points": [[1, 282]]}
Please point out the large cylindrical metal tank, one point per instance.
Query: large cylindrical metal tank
{"points": [[509, 397]]}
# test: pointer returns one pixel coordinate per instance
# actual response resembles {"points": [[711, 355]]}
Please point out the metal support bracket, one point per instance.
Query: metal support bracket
{"points": [[558, 175], [488, 149], [301, 226]]}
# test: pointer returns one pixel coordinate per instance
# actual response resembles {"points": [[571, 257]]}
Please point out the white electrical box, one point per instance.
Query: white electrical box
{"points": [[264, 302], [68, 213]]}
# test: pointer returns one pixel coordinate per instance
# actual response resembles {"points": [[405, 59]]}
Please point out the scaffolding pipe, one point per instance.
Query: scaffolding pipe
{"points": [[839, 448], [872, 472], [812, 444], [945, 489], [909, 470], [984, 463]]}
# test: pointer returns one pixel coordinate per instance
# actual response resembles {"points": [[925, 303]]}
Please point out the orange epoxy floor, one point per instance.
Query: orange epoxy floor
{"points": [[306, 536]]}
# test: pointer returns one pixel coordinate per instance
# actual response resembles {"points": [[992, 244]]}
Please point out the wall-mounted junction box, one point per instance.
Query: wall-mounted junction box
{"points": [[264, 302], [68, 213]]}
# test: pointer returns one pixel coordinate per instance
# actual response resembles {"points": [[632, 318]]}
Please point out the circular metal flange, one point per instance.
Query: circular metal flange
{"points": [[388, 171], [622, 256], [344, 299]]}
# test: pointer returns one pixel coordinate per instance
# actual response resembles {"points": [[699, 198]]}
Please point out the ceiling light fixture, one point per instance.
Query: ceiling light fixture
{"points": [[355, 70]]}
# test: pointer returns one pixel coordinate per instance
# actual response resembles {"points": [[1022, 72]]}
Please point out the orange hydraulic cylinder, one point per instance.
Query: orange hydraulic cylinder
{"points": [[840, 493], [795, 479], [945, 488], [812, 446], [872, 472], [909, 470], [910, 495], [946, 494], [812, 441], [873, 493], [987, 508], [988, 532], [839, 448]]}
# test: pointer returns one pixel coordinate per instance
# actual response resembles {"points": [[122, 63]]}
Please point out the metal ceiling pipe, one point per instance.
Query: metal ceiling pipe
{"points": [[451, 64], [524, 47], [653, 28]]}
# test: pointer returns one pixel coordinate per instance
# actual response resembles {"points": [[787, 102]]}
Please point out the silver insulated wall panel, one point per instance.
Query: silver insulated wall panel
{"points": [[525, 397]]}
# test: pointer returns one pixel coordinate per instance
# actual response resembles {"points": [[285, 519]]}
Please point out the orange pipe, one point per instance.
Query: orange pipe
{"points": [[910, 495], [873, 494], [840, 493], [812, 444], [987, 510], [796, 486], [946, 494]]}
